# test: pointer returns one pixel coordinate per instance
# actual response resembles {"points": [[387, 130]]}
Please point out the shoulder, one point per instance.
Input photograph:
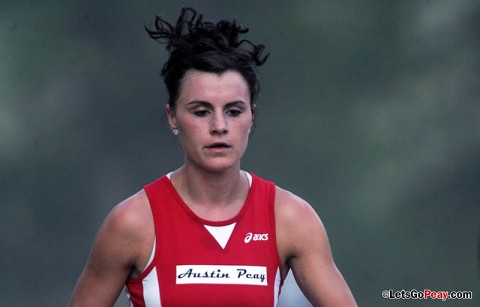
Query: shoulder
{"points": [[292, 209], [132, 218], [118, 249], [128, 232], [298, 226], [130, 214], [126, 228]]}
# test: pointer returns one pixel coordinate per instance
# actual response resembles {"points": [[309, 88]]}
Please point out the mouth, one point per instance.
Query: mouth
{"points": [[218, 145]]}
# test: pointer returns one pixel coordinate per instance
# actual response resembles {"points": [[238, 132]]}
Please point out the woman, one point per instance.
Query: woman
{"points": [[210, 234]]}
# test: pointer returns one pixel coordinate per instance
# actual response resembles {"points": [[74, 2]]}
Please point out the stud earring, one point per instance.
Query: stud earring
{"points": [[175, 131]]}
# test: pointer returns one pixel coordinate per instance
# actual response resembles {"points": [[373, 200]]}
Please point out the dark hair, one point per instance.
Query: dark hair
{"points": [[206, 46]]}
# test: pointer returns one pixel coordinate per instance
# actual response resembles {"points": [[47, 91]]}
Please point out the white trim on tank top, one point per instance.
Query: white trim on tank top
{"points": [[247, 174]]}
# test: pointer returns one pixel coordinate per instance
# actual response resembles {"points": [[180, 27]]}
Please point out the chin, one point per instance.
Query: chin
{"points": [[219, 168], [219, 165]]}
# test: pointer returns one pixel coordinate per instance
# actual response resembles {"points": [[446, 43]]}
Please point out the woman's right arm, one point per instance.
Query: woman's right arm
{"points": [[117, 251]]}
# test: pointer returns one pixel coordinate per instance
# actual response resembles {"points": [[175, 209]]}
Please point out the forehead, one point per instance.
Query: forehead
{"points": [[212, 87]]}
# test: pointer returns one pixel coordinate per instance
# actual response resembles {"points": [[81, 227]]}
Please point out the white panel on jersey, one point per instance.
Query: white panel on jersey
{"points": [[151, 289], [276, 288], [221, 233]]}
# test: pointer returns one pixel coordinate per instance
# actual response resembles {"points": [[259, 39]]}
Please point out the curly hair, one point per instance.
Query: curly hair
{"points": [[194, 43]]}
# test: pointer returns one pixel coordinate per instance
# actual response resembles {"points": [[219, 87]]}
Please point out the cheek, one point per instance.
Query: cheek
{"points": [[244, 130], [189, 133], [187, 126]]}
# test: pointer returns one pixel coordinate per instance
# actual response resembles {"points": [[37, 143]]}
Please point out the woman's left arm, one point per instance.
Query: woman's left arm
{"points": [[304, 247]]}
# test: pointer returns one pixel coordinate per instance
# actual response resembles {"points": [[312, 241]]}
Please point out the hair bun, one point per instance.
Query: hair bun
{"points": [[193, 34]]}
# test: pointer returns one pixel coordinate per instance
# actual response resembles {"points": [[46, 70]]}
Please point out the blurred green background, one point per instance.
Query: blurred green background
{"points": [[369, 110]]}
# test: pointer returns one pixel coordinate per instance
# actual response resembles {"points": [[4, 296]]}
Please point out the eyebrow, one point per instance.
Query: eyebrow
{"points": [[209, 105]]}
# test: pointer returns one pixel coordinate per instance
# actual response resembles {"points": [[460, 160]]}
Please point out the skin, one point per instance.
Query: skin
{"points": [[211, 109]]}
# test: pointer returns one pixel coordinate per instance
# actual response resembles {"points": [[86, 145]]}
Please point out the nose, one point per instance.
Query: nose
{"points": [[219, 124]]}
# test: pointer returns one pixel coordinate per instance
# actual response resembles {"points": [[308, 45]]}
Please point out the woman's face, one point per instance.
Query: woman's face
{"points": [[213, 116]]}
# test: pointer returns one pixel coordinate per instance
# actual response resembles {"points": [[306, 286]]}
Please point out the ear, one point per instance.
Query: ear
{"points": [[172, 121], [251, 130]]}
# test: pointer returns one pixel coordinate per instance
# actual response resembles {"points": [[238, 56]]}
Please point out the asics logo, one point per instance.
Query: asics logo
{"points": [[256, 237]]}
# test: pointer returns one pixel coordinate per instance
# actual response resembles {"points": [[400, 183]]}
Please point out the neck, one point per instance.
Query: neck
{"points": [[211, 189]]}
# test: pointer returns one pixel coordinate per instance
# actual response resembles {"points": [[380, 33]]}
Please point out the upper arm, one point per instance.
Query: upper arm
{"points": [[114, 254], [304, 246]]}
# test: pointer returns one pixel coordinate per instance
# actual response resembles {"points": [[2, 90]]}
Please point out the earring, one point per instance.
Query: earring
{"points": [[175, 131]]}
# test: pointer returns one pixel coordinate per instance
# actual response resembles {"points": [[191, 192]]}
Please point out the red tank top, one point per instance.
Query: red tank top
{"points": [[203, 263]]}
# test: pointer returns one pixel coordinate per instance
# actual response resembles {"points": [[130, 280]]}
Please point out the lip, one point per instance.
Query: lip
{"points": [[218, 147]]}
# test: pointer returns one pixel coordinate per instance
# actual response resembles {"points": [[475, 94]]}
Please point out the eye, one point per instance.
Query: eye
{"points": [[200, 113], [234, 112]]}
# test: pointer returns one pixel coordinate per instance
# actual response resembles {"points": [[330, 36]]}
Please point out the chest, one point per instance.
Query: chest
{"points": [[204, 263]]}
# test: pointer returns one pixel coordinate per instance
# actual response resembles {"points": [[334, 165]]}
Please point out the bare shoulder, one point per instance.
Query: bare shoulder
{"points": [[128, 229], [131, 216], [288, 203], [294, 215], [298, 228], [131, 223], [120, 250]]}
